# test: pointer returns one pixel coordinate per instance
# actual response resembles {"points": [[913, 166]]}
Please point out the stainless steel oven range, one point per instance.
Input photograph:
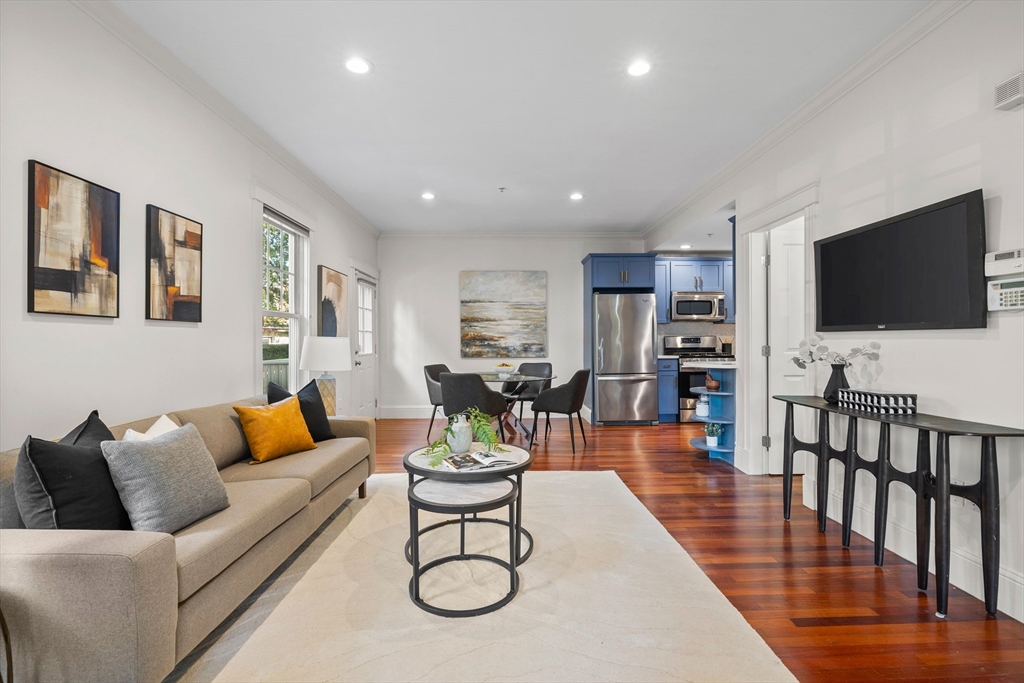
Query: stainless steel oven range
{"points": [[692, 348]]}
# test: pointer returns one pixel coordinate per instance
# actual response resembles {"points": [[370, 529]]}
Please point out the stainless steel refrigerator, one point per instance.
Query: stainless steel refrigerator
{"points": [[625, 358]]}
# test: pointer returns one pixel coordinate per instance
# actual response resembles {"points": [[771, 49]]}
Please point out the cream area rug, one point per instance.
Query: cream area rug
{"points": [[608, 595]]}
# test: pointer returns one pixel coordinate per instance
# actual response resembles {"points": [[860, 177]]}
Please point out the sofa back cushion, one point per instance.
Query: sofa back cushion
{"points": [[10, 518], [221, 429], [139, 425]]}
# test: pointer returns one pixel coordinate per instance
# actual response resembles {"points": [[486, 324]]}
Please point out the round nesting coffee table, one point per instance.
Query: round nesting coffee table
{"points": [[448, 498], [418, 466]]}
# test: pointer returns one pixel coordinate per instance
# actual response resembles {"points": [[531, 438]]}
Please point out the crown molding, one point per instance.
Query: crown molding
{"points": [[517, 235], [109, 16], [926, 21]]}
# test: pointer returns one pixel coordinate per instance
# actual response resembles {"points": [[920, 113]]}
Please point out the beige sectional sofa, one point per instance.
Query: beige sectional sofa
{"points": [[129, 605]]}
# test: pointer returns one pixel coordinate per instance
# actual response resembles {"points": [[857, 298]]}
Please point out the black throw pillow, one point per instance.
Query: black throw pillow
{"points": [[67, 485], [312, 406]]}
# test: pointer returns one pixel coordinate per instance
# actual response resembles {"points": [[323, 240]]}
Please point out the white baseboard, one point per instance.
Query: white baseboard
{"points": [[901, 538]]}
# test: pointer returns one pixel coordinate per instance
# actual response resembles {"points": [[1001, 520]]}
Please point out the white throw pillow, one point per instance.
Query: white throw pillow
{"points": [[160, 427]]}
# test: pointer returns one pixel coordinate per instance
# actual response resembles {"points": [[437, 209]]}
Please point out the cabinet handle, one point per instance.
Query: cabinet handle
{"points": [[677, 381], [695, 283], [627, 275], [701, 278]]}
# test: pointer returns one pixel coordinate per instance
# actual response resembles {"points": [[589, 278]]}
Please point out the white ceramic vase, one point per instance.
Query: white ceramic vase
{"points": [[712, 441], [461, 437]]}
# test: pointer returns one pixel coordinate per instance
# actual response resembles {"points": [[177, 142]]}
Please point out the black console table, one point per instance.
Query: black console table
{"points": [[927, 486]]}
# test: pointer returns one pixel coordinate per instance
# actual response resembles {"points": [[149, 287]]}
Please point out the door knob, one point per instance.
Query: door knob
{"points": [[359, 362]]}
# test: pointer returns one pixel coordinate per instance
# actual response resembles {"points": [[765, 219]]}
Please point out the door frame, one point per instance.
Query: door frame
{"points": [[363, 270], [751, 324]]}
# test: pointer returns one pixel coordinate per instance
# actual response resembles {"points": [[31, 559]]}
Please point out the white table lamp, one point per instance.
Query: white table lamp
{"points": [[325, 354]]}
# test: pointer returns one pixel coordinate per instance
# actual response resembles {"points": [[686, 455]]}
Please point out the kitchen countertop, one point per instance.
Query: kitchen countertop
{"points": [[711, 364]]}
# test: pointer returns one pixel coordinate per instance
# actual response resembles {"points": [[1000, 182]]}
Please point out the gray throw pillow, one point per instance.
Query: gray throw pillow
{"points": [[168, 482]]}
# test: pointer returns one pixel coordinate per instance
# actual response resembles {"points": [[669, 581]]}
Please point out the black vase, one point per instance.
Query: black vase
{"points": [[836, 382]]}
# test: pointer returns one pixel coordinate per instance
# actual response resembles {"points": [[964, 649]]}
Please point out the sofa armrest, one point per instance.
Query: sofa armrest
{"points": [[89, 605], [365, 427]]}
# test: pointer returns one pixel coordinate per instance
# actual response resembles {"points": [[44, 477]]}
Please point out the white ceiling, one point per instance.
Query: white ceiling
{"points": [[467, 97]]}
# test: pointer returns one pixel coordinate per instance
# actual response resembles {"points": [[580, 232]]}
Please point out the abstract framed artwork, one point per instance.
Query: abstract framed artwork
{"points": [[504, 313], [174, 267], [74, 230], [332, 314]]}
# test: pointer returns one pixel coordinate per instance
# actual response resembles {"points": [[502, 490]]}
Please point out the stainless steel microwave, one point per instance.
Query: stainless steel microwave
{"points": [[698, 306]]}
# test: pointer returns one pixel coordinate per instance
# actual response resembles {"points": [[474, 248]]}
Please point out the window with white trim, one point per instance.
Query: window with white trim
{"points": [[284, 305], [367, 292]]}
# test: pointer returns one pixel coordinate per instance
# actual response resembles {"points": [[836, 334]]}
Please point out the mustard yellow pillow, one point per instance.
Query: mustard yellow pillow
{"points": [[275, 430]]}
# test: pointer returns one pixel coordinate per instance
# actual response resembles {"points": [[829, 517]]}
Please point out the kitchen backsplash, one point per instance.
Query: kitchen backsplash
{"points": [[695, 329]]}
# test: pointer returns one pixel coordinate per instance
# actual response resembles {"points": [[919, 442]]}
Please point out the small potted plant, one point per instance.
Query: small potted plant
{"points": [[713, 430], [455, 438]]}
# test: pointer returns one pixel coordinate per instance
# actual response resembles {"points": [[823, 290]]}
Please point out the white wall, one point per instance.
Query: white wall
{"points": [[419, 304], [920, 129], [75, 96]]}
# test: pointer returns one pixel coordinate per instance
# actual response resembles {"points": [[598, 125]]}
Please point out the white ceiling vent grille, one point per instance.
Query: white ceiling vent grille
{"points": [[1010, 94]]}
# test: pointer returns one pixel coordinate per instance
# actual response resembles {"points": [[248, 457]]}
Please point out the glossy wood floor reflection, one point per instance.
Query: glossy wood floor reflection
{"points": [[828, 612]]}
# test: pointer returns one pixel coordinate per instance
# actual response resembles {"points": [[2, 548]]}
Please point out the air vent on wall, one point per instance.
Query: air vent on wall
{"points": [[1010, 94]]}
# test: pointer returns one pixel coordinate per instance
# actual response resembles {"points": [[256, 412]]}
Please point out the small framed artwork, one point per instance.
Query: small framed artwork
{"points": [[332, 314], [174, 266], [74, 233]]}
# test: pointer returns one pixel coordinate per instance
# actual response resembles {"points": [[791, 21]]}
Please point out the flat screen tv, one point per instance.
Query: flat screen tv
{"points": [[917, 271]]}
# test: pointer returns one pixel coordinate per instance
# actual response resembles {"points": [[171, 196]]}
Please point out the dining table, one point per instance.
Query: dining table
{"points": [[509, 419]]}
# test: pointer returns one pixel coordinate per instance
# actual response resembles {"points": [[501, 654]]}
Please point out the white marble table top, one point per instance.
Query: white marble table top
{"points": [[453, 493], [520, 455]]}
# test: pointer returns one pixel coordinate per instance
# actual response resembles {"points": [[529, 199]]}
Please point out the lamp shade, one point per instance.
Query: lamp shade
{"points": [[326, 353]]}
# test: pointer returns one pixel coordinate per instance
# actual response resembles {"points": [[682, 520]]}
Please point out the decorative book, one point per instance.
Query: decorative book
{"points": [[478, 460], [878, 403]]}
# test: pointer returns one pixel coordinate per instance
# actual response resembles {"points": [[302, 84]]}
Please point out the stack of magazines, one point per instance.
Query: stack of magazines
{"points": [[874, 402], [477, 460]]}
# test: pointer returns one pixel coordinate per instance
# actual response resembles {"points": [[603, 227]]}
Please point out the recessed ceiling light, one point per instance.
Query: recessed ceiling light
{"points": [[685, 246], [576, 195], [358, 65], [427, 195], [639, 68]]}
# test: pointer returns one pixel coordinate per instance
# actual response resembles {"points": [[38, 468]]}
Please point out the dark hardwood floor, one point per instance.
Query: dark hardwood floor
{"points": [[828, 612]]}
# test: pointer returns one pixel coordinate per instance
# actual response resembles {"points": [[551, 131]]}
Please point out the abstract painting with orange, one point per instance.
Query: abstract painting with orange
{"points": [[174, 267], [74, 244]]}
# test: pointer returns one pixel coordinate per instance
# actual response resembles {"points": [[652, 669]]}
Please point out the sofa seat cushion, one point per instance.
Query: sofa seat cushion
{"points": [[206, 548], [320, 467]]}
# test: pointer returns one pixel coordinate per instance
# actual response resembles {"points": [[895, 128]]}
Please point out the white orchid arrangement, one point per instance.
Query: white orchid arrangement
{"points": [[813, 350]]}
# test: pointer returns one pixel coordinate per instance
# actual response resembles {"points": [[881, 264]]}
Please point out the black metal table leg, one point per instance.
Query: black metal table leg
{"points": [[922, 491], [882, 477], [823, 459], [849, 479], [788, 448], [414, 538], [990, 522], [519, 523], [942, 542]]}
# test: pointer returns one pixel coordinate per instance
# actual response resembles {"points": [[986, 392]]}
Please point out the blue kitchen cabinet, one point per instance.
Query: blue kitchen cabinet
{"points": [[662, 291], [729, 275], [683, 275], [709, 276], [621, 271], [668, 390]]}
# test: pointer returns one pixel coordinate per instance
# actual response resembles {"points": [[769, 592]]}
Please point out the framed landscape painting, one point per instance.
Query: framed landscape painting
{"points": [[332, 291], [174, 266], [504, 313], [73, 244]]}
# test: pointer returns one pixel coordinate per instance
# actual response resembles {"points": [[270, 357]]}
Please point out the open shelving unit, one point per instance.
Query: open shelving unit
{"points": [[722, 410]]}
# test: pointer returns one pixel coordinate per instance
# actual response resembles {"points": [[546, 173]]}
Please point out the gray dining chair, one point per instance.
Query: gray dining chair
{"points": [[433, 375], [532, 389], [566, 399], [462, 391]]}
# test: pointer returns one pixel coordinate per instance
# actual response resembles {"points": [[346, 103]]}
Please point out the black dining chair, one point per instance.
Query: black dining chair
{"points": [[532, 389], [563, 400], [433, 375], [462, 391]]}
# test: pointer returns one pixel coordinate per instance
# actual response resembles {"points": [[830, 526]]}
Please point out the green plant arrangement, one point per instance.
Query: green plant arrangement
{"points": [[713, 429], [482, 432]]}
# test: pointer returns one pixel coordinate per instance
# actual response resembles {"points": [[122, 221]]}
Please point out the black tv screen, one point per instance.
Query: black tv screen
{"points": [[921, 270]]}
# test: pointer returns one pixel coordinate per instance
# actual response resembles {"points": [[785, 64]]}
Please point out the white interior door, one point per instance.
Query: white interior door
{"points": [[364, 366], [786, 328]]}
